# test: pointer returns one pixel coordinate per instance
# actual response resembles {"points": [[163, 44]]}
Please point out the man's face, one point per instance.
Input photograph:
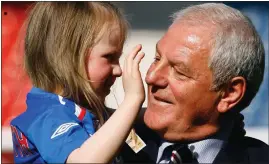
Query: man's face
{"points": [[179, 80]]}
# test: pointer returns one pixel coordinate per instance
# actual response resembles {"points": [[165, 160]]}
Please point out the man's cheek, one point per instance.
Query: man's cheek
{"points": [[177, 89], [182, 90]]}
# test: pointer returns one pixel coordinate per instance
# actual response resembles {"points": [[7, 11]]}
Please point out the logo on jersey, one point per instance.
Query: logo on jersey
{"points": [[62, 129]]}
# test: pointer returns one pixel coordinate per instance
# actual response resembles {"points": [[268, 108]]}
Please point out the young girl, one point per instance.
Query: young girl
{"points": [[72, 52]]}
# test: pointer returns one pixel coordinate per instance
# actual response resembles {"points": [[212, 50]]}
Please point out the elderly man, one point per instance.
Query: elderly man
{"points": [[208, 67]]}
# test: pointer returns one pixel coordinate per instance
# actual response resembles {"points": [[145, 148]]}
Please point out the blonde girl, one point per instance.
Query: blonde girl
{"points": [[72, 52]]}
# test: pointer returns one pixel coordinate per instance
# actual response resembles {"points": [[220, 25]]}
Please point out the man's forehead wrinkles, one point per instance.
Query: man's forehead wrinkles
{"points": [[182, 51]]}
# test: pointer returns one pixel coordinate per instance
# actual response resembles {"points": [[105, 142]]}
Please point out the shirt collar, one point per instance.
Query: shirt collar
{"points": [[205, 150]]}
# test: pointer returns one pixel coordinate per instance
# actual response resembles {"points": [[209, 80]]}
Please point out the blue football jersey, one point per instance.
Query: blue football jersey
{"points": [[50, 129]]}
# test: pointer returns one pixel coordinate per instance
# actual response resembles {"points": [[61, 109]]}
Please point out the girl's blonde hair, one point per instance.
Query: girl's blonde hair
{"points": [[58, 38]]}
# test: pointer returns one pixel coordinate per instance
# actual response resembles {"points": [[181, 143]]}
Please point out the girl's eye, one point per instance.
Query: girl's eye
{"points": [[109, 57], [112, 58]]}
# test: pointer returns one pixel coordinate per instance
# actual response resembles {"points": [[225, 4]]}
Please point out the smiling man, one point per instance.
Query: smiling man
{"points": [[207, 69]]}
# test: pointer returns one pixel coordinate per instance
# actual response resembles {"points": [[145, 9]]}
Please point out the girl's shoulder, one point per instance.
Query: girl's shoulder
{"points": [[45, 108]]}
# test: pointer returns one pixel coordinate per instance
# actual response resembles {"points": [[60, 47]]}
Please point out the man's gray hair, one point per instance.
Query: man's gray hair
{"points": [[237, 49]]}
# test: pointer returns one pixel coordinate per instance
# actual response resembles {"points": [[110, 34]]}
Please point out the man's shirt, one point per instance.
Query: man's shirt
{"points": [[205, 151]]}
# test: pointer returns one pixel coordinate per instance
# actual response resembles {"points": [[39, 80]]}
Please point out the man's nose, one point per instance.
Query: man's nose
{"points": [[157, 76]]}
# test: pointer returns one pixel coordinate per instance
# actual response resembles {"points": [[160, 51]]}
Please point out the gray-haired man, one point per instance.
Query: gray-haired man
{"points": [[208, 67]]}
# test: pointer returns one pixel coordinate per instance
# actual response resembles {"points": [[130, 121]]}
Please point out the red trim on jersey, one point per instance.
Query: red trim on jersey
{"points": [[20, 137], [82, 114]]}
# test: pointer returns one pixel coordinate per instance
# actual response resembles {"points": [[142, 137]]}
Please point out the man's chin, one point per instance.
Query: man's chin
{"points": [[163, 130], [153, 122], [162, 127], [172, 133], [159, 128]]}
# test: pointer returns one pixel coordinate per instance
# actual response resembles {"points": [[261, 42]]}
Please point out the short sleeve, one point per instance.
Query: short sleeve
{"points": [[56, 133]]}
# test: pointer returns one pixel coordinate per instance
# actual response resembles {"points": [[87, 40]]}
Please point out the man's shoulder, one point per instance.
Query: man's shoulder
{"points": [[244, 150], [258, 150], [252, 144]]}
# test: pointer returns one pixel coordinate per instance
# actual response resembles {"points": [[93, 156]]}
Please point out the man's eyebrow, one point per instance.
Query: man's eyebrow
{"points": [[178, 63]]}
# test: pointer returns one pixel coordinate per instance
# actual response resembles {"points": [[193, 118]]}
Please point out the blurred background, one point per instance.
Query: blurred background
{"points": [[149, 21]]}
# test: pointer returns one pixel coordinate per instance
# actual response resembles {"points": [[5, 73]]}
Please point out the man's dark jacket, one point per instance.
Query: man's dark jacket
{"points": [[240, 149]]}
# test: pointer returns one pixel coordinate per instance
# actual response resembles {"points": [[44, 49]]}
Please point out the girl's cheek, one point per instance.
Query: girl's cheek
{"points": [[99, 71]]}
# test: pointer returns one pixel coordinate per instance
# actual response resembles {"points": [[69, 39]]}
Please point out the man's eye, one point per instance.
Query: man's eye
{"points": [[156, 59], [178, 75]]}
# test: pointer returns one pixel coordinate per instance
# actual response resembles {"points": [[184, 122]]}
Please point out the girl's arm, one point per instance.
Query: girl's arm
{"points": [[103, 146]]}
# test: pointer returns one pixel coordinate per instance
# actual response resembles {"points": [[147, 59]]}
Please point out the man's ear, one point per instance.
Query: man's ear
{"points": [[232, 94]]}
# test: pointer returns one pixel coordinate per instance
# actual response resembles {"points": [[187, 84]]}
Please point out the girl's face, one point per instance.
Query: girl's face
{"points": [[103, 63]]}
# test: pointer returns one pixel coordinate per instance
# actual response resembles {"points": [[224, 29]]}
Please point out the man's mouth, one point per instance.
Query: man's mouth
{"points": [[162, 99]]}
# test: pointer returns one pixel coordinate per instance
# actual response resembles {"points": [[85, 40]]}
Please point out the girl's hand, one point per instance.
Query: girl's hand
{"points": [[132, 80]]}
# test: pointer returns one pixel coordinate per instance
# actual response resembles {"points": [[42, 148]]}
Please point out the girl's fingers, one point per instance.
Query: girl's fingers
{"points": [[136, 63], [134, 51], [132, 56]]}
